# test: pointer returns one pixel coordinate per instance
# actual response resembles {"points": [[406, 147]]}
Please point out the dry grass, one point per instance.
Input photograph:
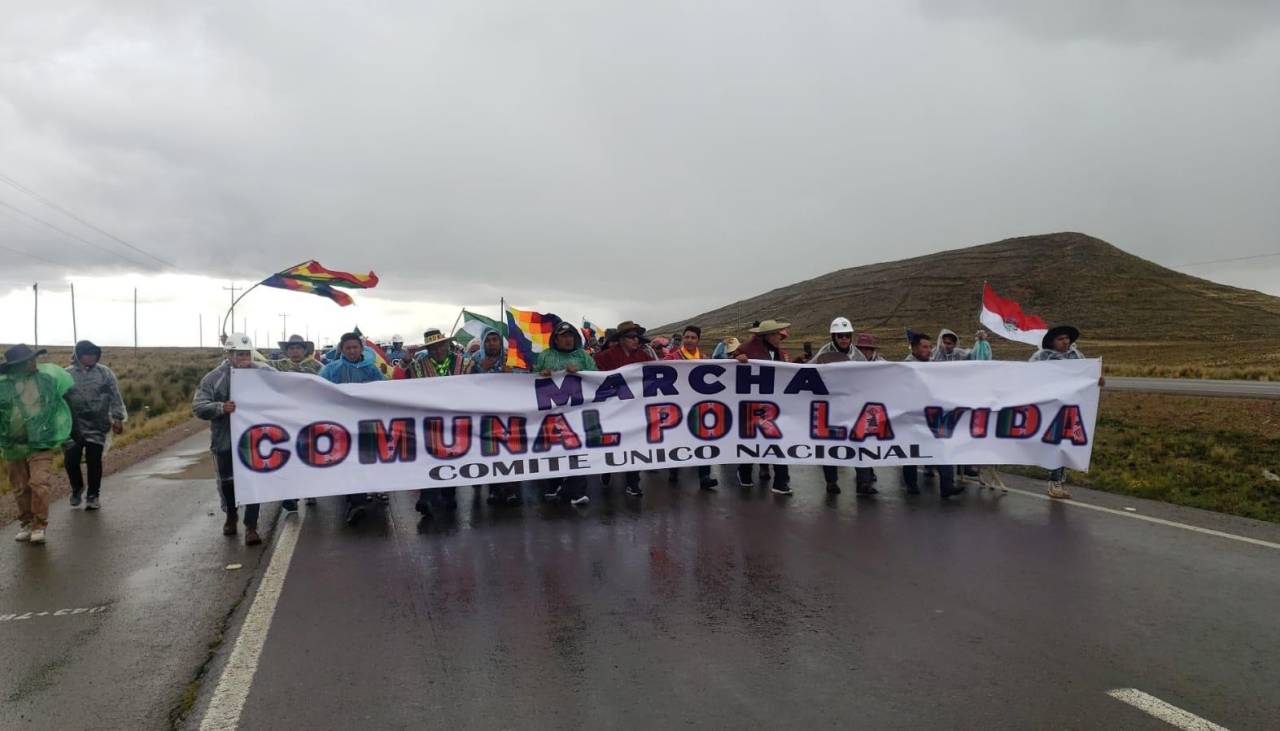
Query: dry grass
{"points": [[157, 385], [1206, 453]]}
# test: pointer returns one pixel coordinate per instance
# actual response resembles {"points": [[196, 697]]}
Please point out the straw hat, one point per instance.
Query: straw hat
{"points": [[769, 326]]}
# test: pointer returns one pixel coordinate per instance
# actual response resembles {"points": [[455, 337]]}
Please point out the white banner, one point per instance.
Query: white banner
{"points": [[296, 435]]}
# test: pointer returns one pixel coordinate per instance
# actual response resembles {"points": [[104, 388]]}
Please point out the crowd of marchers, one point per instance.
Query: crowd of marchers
{"points": [[75, 410]]}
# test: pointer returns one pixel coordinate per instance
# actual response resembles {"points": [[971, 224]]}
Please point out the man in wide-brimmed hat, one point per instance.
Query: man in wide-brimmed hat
{"points": [[298, 356], [1059, 343], [99, 412], [766, 344], [35, 420], [436, 358], [632, 347]]}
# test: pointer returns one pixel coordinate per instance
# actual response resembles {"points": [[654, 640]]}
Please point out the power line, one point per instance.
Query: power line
{"points": [[19, 186], [32, 256], [1223, 261], [68, 234]]}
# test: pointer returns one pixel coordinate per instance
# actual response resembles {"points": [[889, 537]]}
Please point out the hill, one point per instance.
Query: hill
{"points": [[1132, 311]]}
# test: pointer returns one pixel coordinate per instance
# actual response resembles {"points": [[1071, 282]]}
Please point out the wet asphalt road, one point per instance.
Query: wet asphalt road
{"points": [[150, 567], [741, 608], [731, 608]]}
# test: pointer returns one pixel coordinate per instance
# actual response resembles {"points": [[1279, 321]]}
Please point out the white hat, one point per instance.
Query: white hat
{"points": [[238, 341], [397, 338], [841, 325]]}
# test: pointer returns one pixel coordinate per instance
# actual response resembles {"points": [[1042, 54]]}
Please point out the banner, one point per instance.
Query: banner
{"points": [[296, 435]]}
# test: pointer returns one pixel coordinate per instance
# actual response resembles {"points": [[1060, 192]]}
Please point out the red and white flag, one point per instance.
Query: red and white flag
{"points": [[1005, 318]]}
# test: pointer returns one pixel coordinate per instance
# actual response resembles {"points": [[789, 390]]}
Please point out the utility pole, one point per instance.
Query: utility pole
{"points": [[284, 335], [201, 341], [135, 320], [233, 289], [75, 335], [35, 288]]}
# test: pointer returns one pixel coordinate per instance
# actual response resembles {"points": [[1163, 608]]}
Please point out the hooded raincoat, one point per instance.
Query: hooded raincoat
{"points": [[474, 362], [34, 416], [1073, 353], [95, 403], [344, 371], [831, 352], [551, 359], [957, 353], [213, 391]]}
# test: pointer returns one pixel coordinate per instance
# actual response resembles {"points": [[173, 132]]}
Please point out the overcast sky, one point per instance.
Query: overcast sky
{"points": [[608, 159]]}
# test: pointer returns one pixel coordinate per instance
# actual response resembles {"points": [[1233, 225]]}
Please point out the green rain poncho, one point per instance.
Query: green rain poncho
{"points": [[33, 415]]}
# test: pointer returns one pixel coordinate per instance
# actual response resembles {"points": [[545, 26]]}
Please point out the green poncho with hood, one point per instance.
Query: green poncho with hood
{"points": [[555, 360], [34, 417]]}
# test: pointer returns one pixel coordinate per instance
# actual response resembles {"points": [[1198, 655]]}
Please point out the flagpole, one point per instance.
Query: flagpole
{"points": [[455, 322], [246, 292]]}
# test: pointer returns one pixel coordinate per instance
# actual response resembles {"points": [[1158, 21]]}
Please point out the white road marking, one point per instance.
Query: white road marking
{"points": [[1171, 715], [1149, 519], [237, 677], [54, 612]]}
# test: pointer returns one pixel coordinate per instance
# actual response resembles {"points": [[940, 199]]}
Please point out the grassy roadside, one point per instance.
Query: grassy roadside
{"points": [[1207, 453], [136, 430]]}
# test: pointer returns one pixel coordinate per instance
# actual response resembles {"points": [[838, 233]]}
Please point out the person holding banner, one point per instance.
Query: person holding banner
{"points": [[436, 359], [922, 352], [212, 402], [766, 344], [631, 347], [841, 350], [491, 358], [1059, 343], [565, 356], [947, 350], [690, 339], [354, 364]]}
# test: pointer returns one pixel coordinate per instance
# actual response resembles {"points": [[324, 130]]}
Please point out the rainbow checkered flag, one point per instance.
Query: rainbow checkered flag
{"points": [[528, 333], [312, 278]]}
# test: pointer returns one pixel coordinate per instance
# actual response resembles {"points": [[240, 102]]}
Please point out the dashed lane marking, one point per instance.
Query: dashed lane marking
{"points": [[69, 612]]}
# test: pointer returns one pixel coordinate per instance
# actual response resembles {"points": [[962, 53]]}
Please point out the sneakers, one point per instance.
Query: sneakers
{"points": [[833, 488], [75, 499], [745, 480], [955, 490], [1058, 491], [91, 503], [865, 488], [764, 473], [781, 489], [24, 533], [635, 491], [552, 494], [580, 500], [708, 483], [37, 536], [251, 537]]}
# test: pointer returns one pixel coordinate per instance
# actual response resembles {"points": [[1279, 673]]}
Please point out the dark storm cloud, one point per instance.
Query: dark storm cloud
{"points": [[667, 157], [1190, 25]]}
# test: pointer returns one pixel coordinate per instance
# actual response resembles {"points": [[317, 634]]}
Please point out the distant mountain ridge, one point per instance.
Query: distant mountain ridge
{"points": [[1063, 277]]}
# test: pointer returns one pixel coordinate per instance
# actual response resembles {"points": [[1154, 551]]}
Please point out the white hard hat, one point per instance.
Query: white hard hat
{"points": [[238, 341], [397, 338], [841, 325]]}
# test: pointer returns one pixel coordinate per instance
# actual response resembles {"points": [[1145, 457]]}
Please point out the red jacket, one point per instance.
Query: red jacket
{"points": [[757, 349], [614, 358]]}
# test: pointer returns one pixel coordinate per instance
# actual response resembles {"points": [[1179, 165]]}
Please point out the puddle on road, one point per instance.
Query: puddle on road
{"points": [[184, 466]]}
